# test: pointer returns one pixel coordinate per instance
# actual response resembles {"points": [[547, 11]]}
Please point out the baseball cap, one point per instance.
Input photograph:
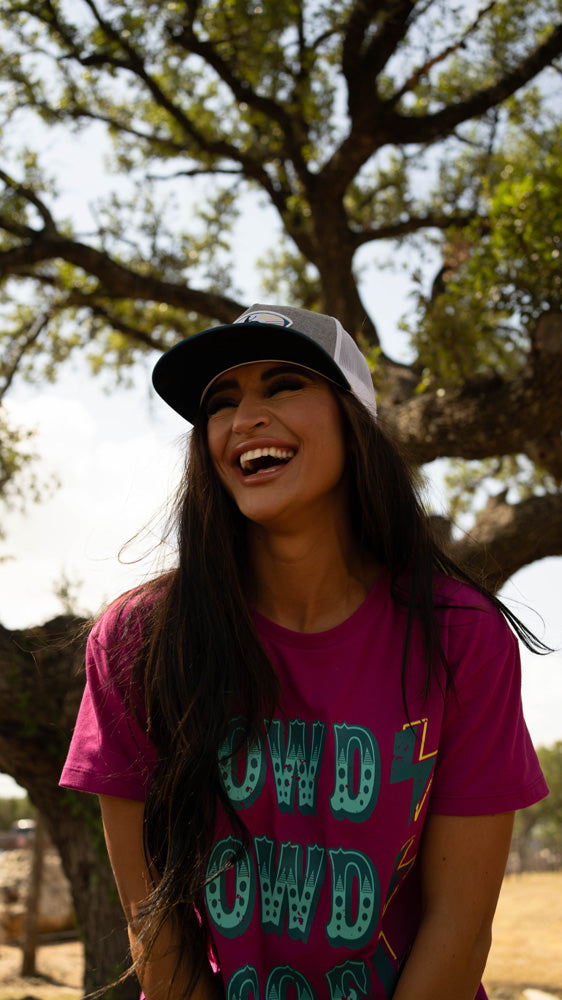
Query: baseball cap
{"points": [[184, 373]]}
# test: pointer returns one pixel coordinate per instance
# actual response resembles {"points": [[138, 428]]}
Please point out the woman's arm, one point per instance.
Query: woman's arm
{"points": [[463, 861], [123, 825]]}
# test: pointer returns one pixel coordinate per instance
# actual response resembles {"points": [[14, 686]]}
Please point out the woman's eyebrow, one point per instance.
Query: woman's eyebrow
{"points": [[225, 383], [284, 369]]}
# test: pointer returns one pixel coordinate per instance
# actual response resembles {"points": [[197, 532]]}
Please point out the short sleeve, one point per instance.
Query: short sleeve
{"points": [[486, 761], [110, 752]]}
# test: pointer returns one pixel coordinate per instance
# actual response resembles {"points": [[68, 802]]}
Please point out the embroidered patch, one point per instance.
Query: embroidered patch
{"points": [[276, 319]]}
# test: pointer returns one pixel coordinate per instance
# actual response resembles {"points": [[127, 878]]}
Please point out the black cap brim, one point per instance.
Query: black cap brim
{"points": [[183, 373]]}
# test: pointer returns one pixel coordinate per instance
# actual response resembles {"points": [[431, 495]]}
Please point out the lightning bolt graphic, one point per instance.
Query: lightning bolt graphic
{"points": [[385, 964], [405, 768], [402, 865]]}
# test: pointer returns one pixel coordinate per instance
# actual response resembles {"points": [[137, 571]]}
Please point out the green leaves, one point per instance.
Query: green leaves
{"points": [[409, 125], [503, 269], [541, 825], [19, 486], [522, 250]]}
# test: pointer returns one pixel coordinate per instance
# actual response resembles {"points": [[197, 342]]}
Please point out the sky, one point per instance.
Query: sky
{"points": [[117, 454]]}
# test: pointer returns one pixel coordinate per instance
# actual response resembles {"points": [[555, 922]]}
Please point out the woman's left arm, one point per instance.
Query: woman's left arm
{"points": [[463, 861]]}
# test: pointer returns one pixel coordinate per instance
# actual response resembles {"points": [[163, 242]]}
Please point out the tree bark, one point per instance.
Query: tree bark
{"points": [[31, 923], [41, 681], [505, 537], [487, 415]]}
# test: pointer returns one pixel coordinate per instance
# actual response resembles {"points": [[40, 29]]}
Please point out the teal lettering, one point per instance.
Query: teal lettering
{"points": [[230, 919], [296, 761], [244, 985], [357, 777], [242, 789], [351, 979], [289, 890], [346, 927], [283, 982]]}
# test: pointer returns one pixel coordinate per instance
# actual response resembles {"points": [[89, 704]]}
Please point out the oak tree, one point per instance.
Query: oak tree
{"points": [[429, 128]]}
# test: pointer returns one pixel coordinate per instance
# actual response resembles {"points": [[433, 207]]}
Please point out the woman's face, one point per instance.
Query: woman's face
{"points": [[275, 436]]}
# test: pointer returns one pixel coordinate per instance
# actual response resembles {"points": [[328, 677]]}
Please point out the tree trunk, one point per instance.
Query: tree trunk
{"points": [[31, 924], [41, 681]]}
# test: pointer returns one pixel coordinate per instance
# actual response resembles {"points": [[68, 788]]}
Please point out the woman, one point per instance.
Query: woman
{"points": [[307, 739]]}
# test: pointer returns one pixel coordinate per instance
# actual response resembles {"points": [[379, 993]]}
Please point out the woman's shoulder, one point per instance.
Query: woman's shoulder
{"points": [[449, 592], [128, 617], [471, 617]]}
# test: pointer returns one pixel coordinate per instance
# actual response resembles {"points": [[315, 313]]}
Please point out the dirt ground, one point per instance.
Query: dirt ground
{"points": [[60, 967], [527, 947], [526, 953]]}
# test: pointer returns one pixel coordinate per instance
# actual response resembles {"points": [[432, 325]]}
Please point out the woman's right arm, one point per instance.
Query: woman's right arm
{"points": [[123, 826]]}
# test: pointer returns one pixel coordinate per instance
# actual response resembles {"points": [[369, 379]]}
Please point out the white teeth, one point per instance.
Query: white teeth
{"points": [[248, 457]]}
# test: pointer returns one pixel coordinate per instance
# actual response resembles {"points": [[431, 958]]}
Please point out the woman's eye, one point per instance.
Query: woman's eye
{"points": [[218, 403], [288, 383]]}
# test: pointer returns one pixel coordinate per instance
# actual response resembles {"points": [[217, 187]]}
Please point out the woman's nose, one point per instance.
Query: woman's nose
{"points": [[251, 412]]}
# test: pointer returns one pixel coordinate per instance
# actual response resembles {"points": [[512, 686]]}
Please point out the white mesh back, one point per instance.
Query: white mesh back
{"points": [[355, 368]]}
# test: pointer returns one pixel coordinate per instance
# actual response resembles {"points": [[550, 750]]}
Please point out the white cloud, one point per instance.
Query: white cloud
{"points": [[111, 486]]}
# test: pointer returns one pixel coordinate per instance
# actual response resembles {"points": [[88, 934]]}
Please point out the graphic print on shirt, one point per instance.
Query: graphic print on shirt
{"points": [[404, 768], [231, 920], [296, 761], [289, 888], [385, 963], [279, 883], [404, 861], [353, 925], [242, 788], [385, 960], [349, 741]]}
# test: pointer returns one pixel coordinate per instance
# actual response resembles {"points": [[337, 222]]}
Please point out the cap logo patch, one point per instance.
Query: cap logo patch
{"points": [[275, 318]]}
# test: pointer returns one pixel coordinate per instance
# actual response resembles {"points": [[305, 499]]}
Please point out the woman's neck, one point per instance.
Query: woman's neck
{"points": [[310, 582]]}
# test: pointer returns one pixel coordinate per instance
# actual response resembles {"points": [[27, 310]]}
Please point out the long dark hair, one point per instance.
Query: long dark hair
{"points": [[202, 660]]}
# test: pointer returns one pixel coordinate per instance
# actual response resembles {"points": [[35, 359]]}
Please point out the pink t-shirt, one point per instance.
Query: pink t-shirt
{"points": [[324, 900]]}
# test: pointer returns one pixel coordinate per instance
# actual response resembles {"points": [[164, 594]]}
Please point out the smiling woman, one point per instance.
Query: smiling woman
{"points": [[307, 739], [281, 427]]}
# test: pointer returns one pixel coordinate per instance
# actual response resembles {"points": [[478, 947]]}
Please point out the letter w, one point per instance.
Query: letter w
{"points": [[296, 762], [289, 890]]}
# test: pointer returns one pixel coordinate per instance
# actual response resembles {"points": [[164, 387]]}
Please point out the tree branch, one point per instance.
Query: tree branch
{"points": [[505, 537], [377, 124], [415, 78], [361, 65], [243, 92], [487, 415], [117, 281], [429, 128], [78, 113], [197, 172], [252, 165], [18, 346], [414, 224], [29, 195], [133, 333]]}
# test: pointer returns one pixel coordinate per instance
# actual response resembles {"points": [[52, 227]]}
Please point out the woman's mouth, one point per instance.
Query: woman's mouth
{"points": [[257, 459]]}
